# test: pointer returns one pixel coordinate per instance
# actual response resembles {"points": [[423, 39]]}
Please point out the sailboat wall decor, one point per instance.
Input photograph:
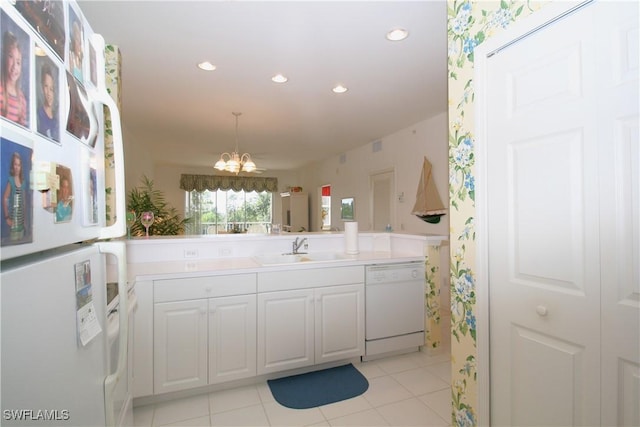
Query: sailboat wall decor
{"points": [[428, 207]]}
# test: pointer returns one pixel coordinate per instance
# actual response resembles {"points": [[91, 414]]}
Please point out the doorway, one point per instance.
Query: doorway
{"points": [[382, 186]]}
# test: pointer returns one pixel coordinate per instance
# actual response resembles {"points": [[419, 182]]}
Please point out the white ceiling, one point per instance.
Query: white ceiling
{"points": [[184, 114]]}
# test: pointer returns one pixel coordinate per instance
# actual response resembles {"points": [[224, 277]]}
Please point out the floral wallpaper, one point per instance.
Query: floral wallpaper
{"points": [[470, 23], [113, 65], [433, 336]]}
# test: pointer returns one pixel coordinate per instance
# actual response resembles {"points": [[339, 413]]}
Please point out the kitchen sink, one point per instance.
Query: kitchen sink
{"points": [[291, 258], [277, 259]]}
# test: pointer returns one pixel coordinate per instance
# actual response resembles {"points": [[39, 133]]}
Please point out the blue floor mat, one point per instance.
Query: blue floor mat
{"points": [[319, 388]]}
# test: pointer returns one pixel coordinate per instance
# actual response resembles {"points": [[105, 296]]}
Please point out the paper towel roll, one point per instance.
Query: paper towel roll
{"points": [[351, 237]]}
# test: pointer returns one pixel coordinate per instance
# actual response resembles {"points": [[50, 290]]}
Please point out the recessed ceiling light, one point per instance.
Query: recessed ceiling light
{"points": [[207, 66], [340, 89], [397, 34], [279, 78]]}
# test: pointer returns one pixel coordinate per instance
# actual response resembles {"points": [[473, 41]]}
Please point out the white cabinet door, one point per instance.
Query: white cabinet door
{"points": [[339, 322], [180, 345], [232, 338], [285, 330]]}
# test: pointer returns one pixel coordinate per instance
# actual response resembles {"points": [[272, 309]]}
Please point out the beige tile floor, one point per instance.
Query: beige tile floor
{"points": [[405, 390]]}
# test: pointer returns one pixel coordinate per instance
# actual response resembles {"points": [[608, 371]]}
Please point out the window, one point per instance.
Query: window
{"points": [[228, 211]]}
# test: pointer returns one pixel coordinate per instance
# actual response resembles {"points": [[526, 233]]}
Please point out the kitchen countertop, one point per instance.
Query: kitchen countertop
{"points": [[239, 265]]}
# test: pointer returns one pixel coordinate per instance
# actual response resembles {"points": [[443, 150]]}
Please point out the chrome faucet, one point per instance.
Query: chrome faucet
{"points": [[297, 243]]}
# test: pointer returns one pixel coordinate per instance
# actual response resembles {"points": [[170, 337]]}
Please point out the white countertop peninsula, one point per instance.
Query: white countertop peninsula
{"points": [[165, 257]]}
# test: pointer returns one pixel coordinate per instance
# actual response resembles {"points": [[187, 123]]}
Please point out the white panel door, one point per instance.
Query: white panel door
{"points": [[543, 209], [620, 213], [232, 338], [563, 217]]}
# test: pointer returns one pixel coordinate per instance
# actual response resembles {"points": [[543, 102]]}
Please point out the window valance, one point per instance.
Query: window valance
{"points": [[220, 182]]}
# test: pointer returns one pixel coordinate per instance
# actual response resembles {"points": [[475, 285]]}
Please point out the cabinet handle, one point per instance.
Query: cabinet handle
{"points": [[542, 310]]}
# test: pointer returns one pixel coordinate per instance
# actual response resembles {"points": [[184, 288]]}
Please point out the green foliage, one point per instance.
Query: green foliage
{"points": [[260, 210], [212, 217], [145, 198]]}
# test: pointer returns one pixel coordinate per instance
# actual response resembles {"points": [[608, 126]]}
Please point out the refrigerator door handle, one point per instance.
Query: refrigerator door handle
{"points": [[118, 228], [118, 249]]}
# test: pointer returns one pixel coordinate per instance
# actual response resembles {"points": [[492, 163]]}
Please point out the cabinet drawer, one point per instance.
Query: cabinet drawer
{"points": [[311, 278], [203, 287]]}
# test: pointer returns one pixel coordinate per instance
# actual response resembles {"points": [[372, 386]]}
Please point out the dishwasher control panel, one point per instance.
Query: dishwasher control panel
{"points": [[390, 273]]}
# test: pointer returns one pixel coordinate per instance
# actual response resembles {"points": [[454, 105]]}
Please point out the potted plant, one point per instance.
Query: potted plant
{"points": [[145, 198]]}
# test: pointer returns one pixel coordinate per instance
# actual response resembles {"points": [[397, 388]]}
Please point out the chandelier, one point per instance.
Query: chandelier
{"points": [[235, 163]]}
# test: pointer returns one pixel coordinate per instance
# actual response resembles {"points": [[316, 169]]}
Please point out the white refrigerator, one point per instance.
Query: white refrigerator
{"points": [[65, 306]]}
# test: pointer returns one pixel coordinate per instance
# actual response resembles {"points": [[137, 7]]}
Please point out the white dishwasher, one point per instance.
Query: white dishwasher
{"points": [[394, 308]]}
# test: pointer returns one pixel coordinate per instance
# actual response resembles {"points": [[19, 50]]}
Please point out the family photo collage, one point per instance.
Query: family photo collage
{"points": [[47, 66]]}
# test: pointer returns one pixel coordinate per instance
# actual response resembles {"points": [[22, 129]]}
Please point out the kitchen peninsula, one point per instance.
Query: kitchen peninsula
{"points": [[219, 298]]}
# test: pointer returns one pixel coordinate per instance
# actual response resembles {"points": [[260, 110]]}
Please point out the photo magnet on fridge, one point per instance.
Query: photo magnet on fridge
{"points": [[64, 204], [47, 18], [48, 98], [17, 196], [15, 81]]}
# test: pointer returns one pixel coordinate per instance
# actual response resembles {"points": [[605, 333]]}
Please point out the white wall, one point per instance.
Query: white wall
{"points": [[137, 160], [401, 152]]}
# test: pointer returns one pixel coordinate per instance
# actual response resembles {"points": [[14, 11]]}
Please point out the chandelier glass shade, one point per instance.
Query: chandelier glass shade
{"points": [[234, 162]]}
